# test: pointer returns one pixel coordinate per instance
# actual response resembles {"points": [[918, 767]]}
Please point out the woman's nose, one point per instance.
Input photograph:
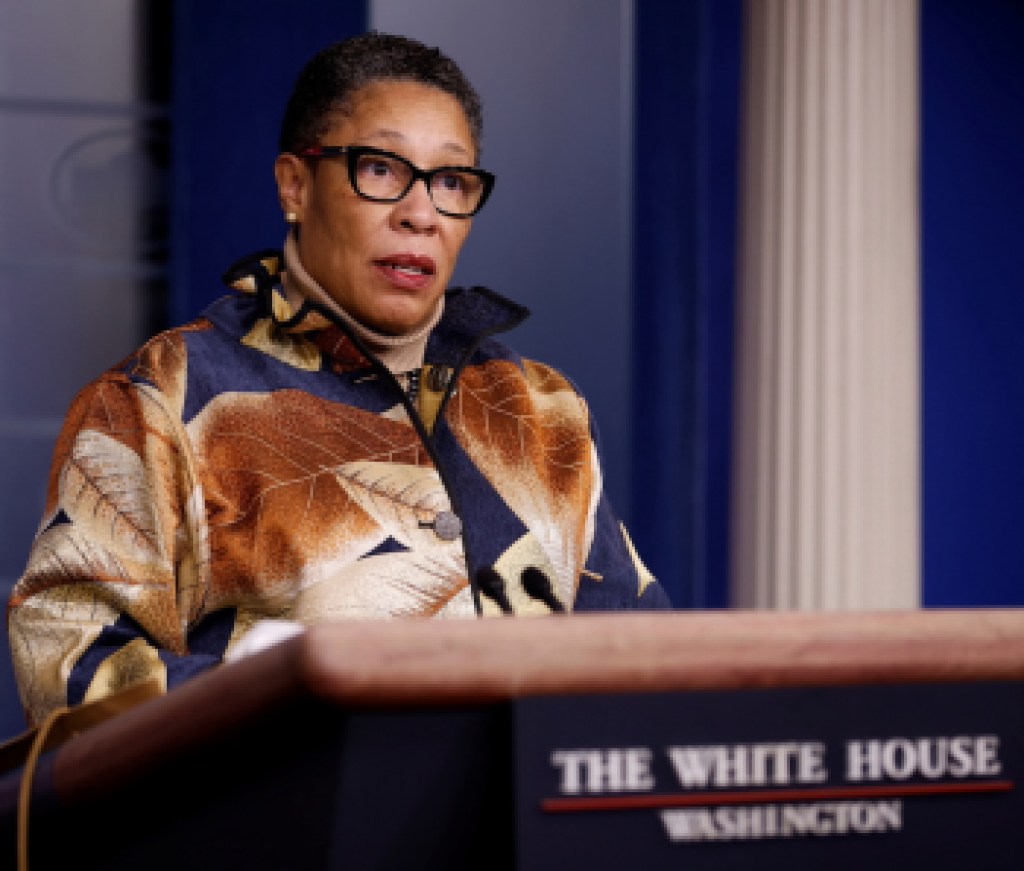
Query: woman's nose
{"points": [[416, 209]]}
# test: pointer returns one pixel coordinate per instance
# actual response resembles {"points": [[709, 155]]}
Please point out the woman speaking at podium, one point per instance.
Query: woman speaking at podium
{"points": [[340, 437]]}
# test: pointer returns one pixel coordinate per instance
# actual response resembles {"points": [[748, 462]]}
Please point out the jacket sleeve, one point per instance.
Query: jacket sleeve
{"points": [[117, 574]]}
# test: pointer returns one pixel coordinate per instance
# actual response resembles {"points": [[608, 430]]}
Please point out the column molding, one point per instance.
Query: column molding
{"points": [[826, 477]]}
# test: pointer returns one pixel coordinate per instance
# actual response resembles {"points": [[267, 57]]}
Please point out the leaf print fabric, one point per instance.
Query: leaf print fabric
{"points": [[237, 469]]}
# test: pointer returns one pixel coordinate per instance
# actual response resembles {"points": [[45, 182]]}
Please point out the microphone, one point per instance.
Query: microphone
{"points": [[537, 586], [489, 583]]}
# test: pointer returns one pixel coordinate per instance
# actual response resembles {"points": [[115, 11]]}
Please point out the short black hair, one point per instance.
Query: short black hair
{"points": [[332, 77]]}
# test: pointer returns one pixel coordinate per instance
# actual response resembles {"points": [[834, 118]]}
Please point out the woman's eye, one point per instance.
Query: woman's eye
{"points": [[449, 181], [376, 167]]}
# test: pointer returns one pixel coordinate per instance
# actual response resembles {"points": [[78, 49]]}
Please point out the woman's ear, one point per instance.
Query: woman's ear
{"points": [[292, 174]]}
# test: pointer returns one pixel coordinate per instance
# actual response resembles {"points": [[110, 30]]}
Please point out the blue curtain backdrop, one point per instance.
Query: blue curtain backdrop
{"points": [[972, 296], [972, 140], [686, 155], [234, 66]]}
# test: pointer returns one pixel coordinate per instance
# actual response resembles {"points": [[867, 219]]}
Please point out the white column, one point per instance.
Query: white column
{"points": [[826, 487]]}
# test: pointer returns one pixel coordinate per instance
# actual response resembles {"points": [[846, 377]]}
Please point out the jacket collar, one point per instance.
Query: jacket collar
{"points": [[470, 316]]}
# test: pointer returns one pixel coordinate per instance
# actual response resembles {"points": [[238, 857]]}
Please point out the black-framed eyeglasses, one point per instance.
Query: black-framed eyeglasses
{"points": [[385, 177]]}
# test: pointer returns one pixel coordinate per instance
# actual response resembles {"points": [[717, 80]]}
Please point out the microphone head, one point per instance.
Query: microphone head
{"points": [[491, 584], [538, 586]]}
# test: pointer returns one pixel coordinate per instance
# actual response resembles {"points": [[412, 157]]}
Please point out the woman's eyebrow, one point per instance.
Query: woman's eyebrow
{"points": [[395, 136]]}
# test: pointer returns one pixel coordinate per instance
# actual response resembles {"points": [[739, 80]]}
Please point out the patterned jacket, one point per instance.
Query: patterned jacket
{"points": [[259, 463]]}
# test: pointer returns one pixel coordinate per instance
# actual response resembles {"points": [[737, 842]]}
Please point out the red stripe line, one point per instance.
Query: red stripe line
{"points": [[772, 796]]}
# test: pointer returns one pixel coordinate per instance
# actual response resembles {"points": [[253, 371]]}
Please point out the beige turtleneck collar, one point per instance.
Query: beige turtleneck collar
{"points": [[398, 353]]}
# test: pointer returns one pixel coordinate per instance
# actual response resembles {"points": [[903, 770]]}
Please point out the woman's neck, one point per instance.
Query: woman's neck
{"points": [[398, 353]]}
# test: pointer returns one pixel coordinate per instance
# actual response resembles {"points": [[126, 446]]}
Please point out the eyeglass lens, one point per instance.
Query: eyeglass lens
{"points": [[387, 178]]}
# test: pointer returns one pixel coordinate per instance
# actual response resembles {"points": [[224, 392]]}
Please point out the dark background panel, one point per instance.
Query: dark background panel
{"points": [[234, 65]]}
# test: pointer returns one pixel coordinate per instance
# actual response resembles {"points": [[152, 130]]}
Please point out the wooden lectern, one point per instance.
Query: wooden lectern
{"points": [[422, 745]]}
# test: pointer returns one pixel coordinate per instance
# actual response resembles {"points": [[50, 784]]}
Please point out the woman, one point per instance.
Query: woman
{"points": [[339, 438]]}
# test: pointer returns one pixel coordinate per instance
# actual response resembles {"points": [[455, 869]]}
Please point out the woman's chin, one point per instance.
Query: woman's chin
{"points": [[399, 322]]}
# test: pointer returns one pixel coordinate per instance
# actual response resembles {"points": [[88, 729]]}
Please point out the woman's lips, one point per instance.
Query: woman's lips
{"points": [[412, 271]]}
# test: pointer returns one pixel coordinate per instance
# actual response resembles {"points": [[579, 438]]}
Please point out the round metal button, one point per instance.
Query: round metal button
{"points": [[447, 526]]}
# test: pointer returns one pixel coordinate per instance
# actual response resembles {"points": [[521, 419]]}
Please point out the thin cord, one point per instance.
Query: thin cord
{"points": [[61, 725], [42, 741]]}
